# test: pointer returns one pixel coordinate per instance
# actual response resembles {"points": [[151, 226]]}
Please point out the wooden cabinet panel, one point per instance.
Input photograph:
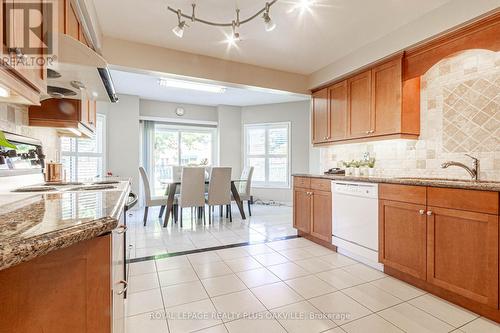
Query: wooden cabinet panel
{"points": [[403, 193], [359, 103], [302, 209], [471, 200], [337, 98], [304, 182], [321, 223], [67, 290], [402, 237], [324, 185], [386, 97], [462, 253], [320, 116]]}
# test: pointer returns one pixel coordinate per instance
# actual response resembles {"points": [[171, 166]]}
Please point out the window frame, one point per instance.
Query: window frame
{"points": [[76, 153], [267, 155]]}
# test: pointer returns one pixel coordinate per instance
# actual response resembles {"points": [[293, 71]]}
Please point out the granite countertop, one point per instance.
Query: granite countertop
{"points": [[437, 182], [34, 224]]}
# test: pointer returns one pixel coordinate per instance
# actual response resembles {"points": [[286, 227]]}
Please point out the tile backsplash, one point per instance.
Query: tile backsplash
{"points": [[460, 113], [14, 118]]}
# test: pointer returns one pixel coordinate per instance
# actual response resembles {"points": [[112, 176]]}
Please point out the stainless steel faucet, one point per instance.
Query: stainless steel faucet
{"points": [[473, 172]]}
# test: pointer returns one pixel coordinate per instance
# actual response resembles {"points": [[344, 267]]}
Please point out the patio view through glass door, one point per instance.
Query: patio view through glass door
{"points": [[174, 145]]}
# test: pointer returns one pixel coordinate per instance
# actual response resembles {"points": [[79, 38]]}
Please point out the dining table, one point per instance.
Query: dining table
{"points": [[172, 188]]}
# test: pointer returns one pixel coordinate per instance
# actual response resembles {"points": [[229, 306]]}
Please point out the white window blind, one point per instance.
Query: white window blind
{"points": [[267, 149], [83, 159]]}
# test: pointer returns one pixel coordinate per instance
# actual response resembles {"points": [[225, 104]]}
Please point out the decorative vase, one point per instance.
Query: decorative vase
{"points": [[357, 172], [371, 172]]}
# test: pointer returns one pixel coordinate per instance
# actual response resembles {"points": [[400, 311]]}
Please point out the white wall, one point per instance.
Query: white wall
{"points": [[123, 137], [443, 18], [230, 138], [298, 114], [167, 110]]}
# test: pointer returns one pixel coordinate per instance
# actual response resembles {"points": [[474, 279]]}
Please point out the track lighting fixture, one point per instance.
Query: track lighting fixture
{"points": [[269, 24], [178, 30]]}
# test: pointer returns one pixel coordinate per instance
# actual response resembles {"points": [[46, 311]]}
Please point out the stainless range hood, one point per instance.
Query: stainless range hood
{"points": [[81, 70]]}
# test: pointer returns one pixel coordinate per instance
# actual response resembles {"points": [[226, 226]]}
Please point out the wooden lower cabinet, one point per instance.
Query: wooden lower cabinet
{"points": [[76, 289], [321, 222], [312, 208], [462, 253], [449, 248], [302, 209], [402, 237]]}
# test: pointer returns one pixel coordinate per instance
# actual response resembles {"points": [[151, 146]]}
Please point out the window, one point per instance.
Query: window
{"points": [[83, 159], [267, 149], [177, 145]]}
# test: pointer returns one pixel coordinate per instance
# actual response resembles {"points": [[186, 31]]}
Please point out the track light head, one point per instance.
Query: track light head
{"points": [[178, 30]]}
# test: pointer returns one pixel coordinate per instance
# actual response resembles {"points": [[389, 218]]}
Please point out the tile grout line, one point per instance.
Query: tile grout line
{"points": [[161, 295]]}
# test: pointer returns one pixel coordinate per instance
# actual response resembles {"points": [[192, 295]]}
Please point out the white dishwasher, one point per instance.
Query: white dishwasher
{"points": [[355, 220]]}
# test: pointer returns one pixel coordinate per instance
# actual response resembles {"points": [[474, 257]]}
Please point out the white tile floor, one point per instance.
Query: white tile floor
{"points": [[284, 286], [267, 222]]}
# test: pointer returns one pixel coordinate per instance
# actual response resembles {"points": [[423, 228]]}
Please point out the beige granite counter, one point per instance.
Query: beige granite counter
{"points": [[436, 182], [33, 224]]}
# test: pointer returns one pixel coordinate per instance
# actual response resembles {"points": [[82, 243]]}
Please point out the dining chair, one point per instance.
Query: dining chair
{"points": [[219, 190], [151, 201], [192, 193], [176, 176], [244, 187]]}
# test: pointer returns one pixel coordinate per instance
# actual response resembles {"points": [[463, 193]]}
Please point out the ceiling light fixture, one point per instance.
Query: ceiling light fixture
{"points": [[269, 24], [178, 30], [303, 5], [171, 83]]}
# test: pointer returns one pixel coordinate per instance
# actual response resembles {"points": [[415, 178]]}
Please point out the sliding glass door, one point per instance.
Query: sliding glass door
{"points": [[177, 145]]}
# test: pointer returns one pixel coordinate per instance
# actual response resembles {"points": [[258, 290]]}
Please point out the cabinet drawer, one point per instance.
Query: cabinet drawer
{"points": [[321, 184], [403, 193], [470, 200], [302, 182]]}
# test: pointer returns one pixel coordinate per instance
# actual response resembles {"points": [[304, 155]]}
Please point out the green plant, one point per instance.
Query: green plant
{"points": [[356, 164], [371, 162]]}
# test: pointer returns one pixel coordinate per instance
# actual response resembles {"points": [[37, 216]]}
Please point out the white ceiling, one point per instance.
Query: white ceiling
{"points": [[146, 86], [301, 43]]}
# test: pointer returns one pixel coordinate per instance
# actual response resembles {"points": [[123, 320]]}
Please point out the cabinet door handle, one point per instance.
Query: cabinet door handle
{"points": [[429, 212], [121, 229], [421, 212], [125, 286]]}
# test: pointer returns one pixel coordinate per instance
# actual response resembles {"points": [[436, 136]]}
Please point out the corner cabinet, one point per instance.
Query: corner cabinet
{"points": [[444, 240], [367, 106], [312, 208]]}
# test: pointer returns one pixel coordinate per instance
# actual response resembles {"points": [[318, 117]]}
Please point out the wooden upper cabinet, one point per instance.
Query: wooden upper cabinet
{"points": [[302, 209], [320, 116], [462, 253], [402, 237], [359, 105], [337, 99], [386, 97]]}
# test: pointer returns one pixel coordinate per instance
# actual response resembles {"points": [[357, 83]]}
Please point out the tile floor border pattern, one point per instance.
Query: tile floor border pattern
{"points": [[213, 248], [352, 266]]}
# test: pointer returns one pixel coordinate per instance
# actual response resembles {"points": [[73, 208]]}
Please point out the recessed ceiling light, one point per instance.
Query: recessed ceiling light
{"points": [[171, 83]]}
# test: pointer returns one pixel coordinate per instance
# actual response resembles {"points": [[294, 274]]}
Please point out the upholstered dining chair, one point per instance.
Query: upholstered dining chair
{"points": [[176, 176], [192, 193], [150, 201], [219, 190], [244, 187]]}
